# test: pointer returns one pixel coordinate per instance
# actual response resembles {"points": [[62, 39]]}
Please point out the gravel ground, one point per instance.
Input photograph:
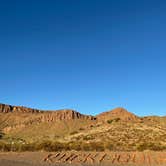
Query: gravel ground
{"points": [[38, 159]]}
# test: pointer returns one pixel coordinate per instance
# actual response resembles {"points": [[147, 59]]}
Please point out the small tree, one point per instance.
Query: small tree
{"points": [[1, 134]]}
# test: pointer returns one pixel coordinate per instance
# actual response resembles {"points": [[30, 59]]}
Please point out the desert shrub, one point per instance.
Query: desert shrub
{"points": [[1, 146], [49, 146], [14, 147], [116, 119], [86, 147], [5, 147], [93, 146], [75, 146], [57, 146], [27, 147], [74, 132], [97, 146], [21, 147], [141, 147], [91, 126], [113, 120], [88, 137], [109, 146], [1, 134], [150, 146], [44, 145], [110, 121]]}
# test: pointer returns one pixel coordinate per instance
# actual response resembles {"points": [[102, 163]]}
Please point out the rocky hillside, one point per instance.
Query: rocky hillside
{"points": [[116, 129], [66, 114], [4, 108], [118, 113]]}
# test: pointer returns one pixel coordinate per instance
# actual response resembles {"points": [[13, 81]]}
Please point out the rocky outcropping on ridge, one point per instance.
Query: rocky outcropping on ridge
{"points": [[4, 108], [46, 116]]}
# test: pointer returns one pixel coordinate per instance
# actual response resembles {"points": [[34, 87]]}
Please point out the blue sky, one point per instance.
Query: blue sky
{"points": [[91, 56]]}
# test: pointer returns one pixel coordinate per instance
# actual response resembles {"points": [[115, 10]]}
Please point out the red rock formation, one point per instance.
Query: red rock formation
{"points": [[64, 115], [8, 108], [46, 116], [5, 108]]}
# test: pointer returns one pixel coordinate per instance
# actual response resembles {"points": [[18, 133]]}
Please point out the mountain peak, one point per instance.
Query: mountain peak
{"points": [[119, 112]]}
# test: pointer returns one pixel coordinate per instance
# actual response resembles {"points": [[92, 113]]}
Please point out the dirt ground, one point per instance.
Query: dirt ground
{"points": [[83, 158]]}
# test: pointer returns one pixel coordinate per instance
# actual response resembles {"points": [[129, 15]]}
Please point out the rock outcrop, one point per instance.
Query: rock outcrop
{"points": [[4, 108], [40, 116], [45, 116], [64, 115]]}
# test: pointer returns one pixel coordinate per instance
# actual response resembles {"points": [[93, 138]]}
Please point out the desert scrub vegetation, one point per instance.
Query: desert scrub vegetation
{"points": [[50, 146], [81, 129], [92, 146], [88, 137], [74, 132], [150, 146], [16, 147], [74, 146], [1, 134], [4, 146], [109, 146], [113, 120]]}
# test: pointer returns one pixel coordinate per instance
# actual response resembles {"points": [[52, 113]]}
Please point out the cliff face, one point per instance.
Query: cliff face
{"points": [[45, 116], [64, 115], [8, 108]]}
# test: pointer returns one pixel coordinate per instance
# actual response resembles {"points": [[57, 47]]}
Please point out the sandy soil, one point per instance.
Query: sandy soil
{"points": [[83, 158]]}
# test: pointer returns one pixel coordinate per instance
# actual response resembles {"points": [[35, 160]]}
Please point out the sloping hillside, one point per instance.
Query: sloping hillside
{"points": [[117, 129], [119, 113]]}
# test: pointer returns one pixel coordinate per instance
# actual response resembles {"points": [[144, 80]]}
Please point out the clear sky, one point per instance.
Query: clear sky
{"points": [[88, 55]]}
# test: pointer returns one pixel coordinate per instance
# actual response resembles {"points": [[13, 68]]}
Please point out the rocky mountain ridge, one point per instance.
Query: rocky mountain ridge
{"points": [[121, 129], [4, 108], [46, 116], [69, 114]]}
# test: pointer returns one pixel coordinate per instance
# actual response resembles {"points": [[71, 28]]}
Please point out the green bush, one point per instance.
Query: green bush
{"points": [[1, 134], [113, 120], [27, 147], [49, 146], [150, 146], [97, 146], [74, 132], [88, 137], [109, 146], [92, 146], [86, 147], [74, 146], [110, 121], [5, 147]]}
